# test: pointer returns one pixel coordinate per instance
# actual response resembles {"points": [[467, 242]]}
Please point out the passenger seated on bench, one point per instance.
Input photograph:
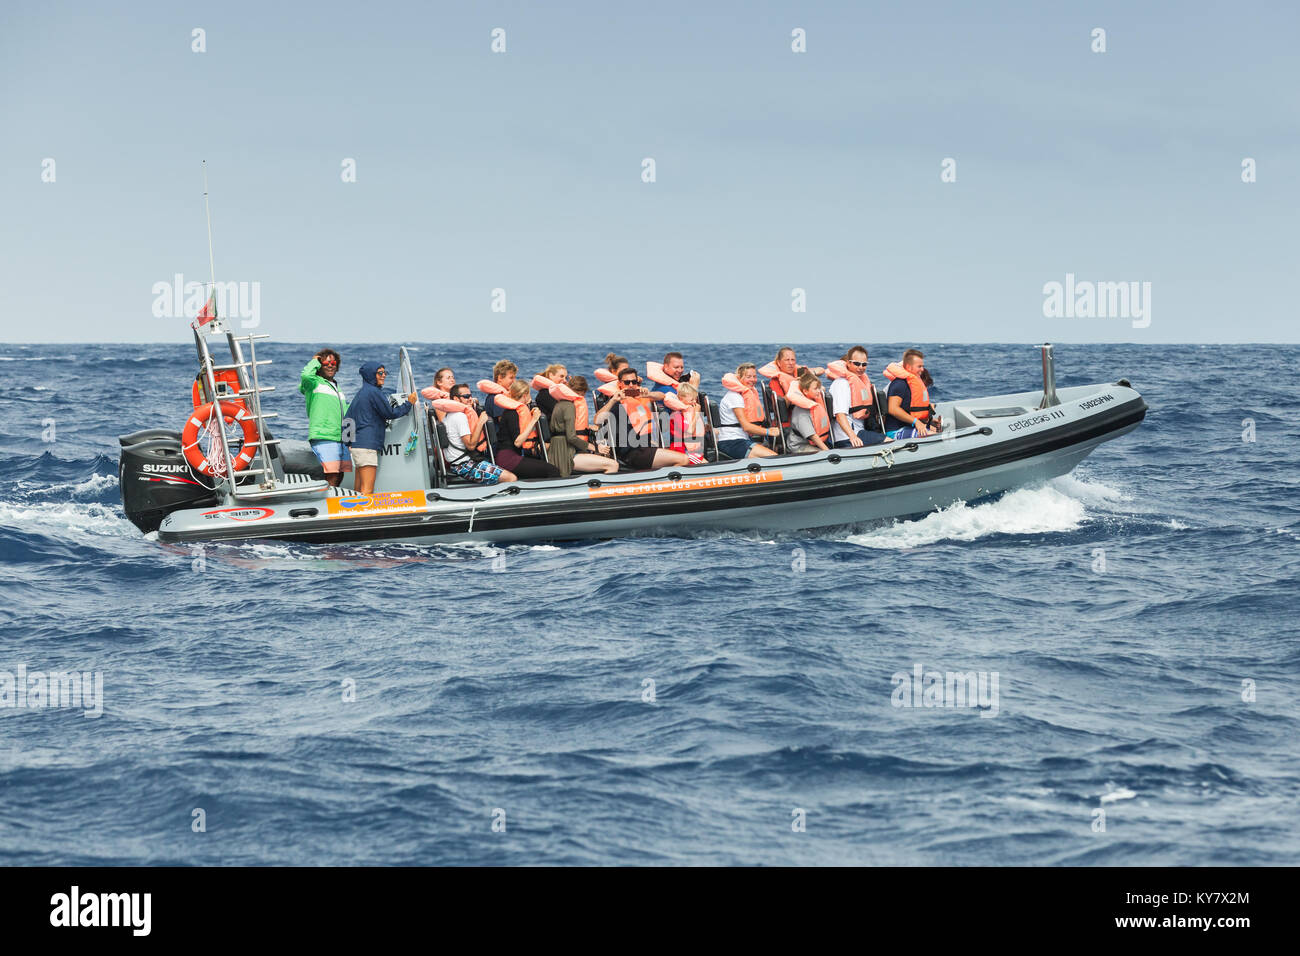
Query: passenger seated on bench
{"points": [[810, 425], [503, 376], [462, 435], [608, 377], [910, 413], [517, 434], [738, 413], [571, 449], [444, 380], [783, 370], [543, 383], [668, 376], [849, 431], [630, 414]]}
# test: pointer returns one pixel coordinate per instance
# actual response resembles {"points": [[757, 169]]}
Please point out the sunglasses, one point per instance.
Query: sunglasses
{"points": [[859, 364], [631, 381]]}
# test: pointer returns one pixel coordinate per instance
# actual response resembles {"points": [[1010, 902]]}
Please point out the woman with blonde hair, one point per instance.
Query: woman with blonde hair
{"points": [[517, 434], [743, 420]]}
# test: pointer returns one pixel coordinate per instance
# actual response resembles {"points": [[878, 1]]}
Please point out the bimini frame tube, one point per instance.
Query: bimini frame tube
{"points": [[1049, 378]]}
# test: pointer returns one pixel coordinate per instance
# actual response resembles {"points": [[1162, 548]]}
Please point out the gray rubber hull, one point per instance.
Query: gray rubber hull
{"points": [[998, 443]]}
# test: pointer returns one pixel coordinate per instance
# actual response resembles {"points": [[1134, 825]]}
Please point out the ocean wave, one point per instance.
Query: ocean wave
{"points": [[62, 518]]}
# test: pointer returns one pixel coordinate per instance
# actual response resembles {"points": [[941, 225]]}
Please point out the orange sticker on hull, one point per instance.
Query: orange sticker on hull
{"points": [[382, 502], [687, 484]]}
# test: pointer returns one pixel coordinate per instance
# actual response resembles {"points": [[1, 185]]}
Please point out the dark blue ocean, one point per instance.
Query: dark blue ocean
{"points": [[1140, 617]]}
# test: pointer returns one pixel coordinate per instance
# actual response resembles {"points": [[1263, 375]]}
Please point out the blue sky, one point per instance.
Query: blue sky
{"points": [[774, 170]]}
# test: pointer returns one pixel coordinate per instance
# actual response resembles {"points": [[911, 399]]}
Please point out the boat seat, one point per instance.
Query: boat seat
{"points": [[782, 415], [771, 416], [715, 422], [880, 401], [541, 449], [448, 477]]}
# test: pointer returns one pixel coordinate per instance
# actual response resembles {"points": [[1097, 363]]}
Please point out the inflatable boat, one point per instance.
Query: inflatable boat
{"points": [[236, 480]]}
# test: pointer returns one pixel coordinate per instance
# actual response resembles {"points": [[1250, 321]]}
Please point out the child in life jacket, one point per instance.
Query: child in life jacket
{"points": [[810, 423], [686, 423]]}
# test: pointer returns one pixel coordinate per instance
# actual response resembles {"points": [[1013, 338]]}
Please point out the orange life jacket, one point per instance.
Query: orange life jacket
{"points": [[919, 404], [779, 380], [692, 431], [753, 404], [520, 409], [605, 375], [821, 419], [561, 392], [639, 414], [655, 372], [861, 394], [489, 387], [433, 392]]}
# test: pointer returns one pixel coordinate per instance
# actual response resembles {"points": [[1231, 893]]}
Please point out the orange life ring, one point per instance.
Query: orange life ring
{"points": [[231, 412]]}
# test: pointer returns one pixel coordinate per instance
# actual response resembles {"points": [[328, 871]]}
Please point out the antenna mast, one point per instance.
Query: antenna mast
{"points": [[207, 208]]}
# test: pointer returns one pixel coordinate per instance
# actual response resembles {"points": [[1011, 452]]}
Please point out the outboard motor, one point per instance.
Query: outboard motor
{"points": [[155, 480]]}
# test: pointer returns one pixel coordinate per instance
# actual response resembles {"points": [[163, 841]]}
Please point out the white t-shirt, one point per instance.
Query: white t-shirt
{"points": [[457, 425], [730, 430], [841, 402]]}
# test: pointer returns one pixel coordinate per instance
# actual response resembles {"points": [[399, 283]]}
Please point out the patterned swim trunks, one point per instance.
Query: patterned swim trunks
{"points": [[483, 472]]}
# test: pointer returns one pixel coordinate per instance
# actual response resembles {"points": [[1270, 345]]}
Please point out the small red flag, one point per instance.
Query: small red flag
{"points": [[209, 310]]}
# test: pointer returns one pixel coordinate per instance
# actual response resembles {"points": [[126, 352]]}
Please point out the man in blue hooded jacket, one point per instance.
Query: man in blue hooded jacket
{"points": [[370, 413]]}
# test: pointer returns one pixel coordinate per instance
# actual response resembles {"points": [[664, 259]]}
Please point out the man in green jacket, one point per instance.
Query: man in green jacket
{"points": [[325, 404]]}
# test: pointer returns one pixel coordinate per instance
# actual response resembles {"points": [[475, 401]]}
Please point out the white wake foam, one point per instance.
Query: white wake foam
{"points": [[1054, 508]]}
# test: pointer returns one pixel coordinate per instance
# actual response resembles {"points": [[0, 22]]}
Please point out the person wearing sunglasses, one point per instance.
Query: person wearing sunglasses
{"points": [[325, 404], [630, 413], [847, 431]]}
